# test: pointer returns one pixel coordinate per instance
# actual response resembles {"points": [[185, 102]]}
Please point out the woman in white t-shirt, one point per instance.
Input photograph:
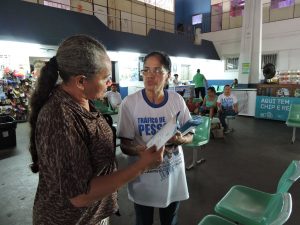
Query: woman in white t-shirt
{"points": [[141, 115], [227, 106]]}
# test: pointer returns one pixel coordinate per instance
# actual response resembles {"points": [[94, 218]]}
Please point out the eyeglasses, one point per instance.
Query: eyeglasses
{"points": [[155, 71]]}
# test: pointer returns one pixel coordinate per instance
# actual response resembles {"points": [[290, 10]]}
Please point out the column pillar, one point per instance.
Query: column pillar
{"points": [[250, 51]]}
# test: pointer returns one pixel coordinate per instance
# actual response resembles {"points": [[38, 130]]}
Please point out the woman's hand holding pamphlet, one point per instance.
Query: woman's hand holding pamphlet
{"points": [[169, 130], [164, 134]]}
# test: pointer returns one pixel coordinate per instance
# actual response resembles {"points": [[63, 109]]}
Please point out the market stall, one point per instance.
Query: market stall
{"points": [[15, 90]]}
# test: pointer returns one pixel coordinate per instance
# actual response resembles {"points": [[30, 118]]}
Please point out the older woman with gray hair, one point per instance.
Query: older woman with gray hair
{"points": [[71, 144]]}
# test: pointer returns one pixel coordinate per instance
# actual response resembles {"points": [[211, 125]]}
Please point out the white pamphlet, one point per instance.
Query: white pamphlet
{"points": [[164, 134]]}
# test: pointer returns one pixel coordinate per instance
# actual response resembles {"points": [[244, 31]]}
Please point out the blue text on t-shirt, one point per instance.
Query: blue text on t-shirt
{"points": [[150, 125]]}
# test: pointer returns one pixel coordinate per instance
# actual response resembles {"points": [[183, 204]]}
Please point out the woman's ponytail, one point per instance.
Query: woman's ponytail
{"points": [[45, 85]]}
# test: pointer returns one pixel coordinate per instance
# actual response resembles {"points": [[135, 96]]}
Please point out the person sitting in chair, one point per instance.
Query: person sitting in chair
{"points": [[192, 105], [113, 97], [227, 106], [209, 105], [235, 83]]}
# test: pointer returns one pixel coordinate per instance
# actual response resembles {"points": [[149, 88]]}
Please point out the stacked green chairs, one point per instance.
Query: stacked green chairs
{"points": [[294, 119], [249, 206], [200, 138], [215, 220]]}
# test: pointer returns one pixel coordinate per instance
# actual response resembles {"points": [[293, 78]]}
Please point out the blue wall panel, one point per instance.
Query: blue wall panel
{"points": [[185, 9], [123, 91], [219, 82]]}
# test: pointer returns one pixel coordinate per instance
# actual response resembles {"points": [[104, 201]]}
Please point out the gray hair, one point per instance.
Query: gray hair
{"points": [[77, 55], [80, 55]]}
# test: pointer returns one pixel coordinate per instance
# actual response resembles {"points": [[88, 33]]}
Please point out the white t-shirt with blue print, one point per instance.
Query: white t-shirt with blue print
{"points": [[227, 102], [139, 120]]}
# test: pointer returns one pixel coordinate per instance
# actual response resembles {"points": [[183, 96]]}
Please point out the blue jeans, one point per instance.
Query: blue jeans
{"points": [[168, 215], [223, 114]]}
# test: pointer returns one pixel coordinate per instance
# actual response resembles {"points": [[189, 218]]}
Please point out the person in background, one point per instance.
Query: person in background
{"points": [[113, 97], [141, 115], [200, 84], [235, 83], [227, 106], [71, 144], [209, 105], [176, 81], [192, 105], [37, 65]]}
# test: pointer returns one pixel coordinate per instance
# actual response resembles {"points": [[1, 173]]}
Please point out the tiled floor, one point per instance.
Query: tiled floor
{"points": [[255, 154]]}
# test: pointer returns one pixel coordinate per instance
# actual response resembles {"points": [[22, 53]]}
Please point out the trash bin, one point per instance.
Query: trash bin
{"points": [[8, 127]]}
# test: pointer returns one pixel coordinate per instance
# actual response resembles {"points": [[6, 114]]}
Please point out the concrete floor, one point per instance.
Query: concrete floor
{"points": [[255, 155]]}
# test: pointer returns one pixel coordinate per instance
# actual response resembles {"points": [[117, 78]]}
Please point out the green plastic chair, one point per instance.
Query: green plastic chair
{"points": [[201, 137], [215, 220], [253, 207], [294, 119], [291, 175]]}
